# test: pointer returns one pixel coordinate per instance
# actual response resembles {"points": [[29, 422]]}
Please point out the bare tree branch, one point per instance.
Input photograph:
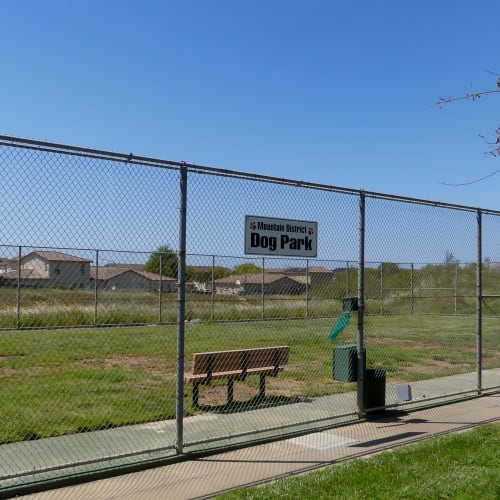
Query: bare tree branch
{"points": [[491, 174], [470, 96], [494, 146]]}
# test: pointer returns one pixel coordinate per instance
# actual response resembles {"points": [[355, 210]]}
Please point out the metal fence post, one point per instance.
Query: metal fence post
{"points": [[361, 306], [307, 288], [381, 289], [263, 312], [212, 288], [479, 303], [181, 311], [456, 288], [412, 290], [347, 278], [160, 290], [18, 291], [96, 285]]}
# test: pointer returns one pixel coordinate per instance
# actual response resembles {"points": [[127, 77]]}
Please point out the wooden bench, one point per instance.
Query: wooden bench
{"points": [[236, 365]]}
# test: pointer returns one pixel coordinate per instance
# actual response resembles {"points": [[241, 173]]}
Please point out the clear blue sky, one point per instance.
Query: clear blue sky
{"points": [[336, 92]]}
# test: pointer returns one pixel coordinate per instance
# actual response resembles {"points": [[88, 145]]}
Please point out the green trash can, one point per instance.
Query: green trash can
{"points": [[374, 389], [345, 363]]}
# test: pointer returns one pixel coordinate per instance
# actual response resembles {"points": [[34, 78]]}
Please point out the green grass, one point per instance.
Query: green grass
{"points": [[455, 466], [53, 307], [60, 381]]}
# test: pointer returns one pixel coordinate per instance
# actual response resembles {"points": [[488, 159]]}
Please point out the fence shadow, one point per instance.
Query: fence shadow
{"points": [[255, 403]]}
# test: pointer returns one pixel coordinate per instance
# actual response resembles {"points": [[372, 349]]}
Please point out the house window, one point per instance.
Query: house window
{"points": [[82, 269], [57, 271], [46, 266]]}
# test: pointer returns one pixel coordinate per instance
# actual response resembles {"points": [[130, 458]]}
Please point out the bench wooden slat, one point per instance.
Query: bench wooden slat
{"points": [[233, 360], [234, 365], [235, 373]]}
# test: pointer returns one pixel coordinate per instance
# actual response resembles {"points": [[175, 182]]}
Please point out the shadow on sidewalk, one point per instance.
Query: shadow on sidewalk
{"points": [[256, 403]]}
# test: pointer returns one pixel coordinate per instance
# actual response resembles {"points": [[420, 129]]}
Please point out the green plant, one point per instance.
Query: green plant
{"points": [[463, 465]]}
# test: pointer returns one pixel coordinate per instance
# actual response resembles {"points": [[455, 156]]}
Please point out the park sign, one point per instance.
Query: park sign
{"points": [[291, 238]]}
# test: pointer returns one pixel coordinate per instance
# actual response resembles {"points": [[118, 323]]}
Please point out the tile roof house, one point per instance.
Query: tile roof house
{"points": [[253, 284], [136, 267], [129, 278], [47, 269], [3, 265], [53, 269], [317, 275]]}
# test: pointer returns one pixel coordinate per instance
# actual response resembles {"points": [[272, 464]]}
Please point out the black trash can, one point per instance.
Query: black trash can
{"points": [[374, 389]]}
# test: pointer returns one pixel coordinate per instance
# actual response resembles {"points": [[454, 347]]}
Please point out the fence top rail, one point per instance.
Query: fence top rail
{"points": [[53, 147]]}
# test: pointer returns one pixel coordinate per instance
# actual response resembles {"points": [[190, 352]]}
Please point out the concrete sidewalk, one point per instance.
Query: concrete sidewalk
{"points": [[73, 457], [205, 477]]}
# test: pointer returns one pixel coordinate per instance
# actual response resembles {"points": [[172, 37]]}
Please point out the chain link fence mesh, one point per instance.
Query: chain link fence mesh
{"points": [[89, 312]]}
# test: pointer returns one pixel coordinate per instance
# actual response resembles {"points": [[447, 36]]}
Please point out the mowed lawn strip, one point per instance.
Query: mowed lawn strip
{"points": [[455, 466]]}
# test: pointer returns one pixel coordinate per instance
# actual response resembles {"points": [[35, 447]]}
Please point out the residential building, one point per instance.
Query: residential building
{"points": [[47, 269], [318, 275], [254, 284], [123, 278]]}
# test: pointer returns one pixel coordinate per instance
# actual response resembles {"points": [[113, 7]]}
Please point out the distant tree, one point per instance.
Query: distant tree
{"points": [[191, 274], [247, 268], [163, 257], [389, 267], [206, 275], [221, 272], [449, 258]]}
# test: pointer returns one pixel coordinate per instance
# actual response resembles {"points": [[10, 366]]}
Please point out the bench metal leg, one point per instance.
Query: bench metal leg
{"points": [[262, 386], [230, 390], [196, 394]]}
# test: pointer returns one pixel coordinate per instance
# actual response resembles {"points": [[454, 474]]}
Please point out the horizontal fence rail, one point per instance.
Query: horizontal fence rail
{"points": [[71, 287], [134, 327]]}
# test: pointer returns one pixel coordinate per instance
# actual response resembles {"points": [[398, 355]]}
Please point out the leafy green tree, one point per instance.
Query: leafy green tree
{"points": [[163, 260], [206, 275], [247, 268], [221, 272], [389, 268], [191, 273]]}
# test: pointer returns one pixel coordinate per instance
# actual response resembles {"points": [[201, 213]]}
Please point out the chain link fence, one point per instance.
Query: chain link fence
{"points": [[133, 326]]}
